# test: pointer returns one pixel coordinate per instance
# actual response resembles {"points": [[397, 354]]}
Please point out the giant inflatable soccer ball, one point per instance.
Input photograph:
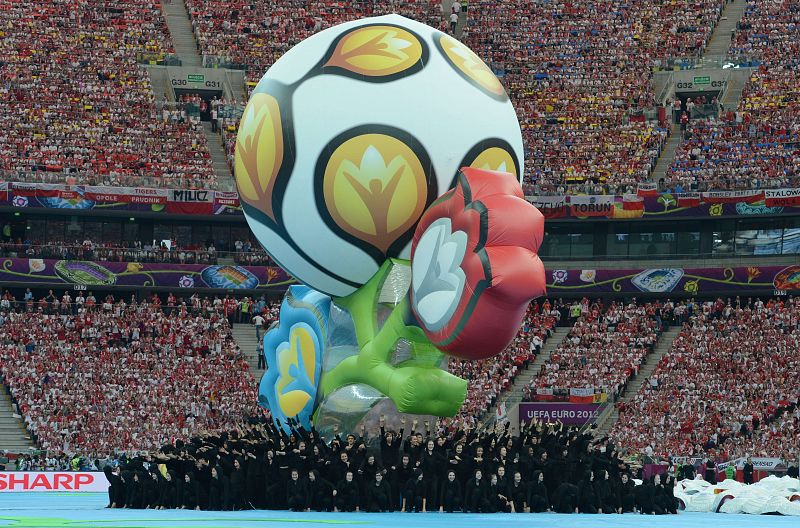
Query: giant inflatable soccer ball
{"points": [[379, 163], [353, 133]]}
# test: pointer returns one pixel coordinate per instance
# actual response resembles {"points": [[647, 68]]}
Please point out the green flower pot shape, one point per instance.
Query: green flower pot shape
{"points": [[416, 385]]}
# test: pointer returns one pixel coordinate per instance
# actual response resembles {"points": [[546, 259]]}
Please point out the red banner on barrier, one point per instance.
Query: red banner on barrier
{"points": [[226, 198], [733, 196], [691, 199], [593, 205], [782, 197], [136, 195], [550, 206], [648, 189]]}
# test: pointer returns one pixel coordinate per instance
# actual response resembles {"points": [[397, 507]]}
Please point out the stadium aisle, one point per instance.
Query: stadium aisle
{"points": [[33, 510]]}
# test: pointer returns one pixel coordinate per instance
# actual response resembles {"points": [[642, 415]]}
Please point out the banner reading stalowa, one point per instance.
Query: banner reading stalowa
{"points": [[74, 481]]}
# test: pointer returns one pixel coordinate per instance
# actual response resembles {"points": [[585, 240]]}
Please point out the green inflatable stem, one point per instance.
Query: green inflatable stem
{"points": [[417, 385]]}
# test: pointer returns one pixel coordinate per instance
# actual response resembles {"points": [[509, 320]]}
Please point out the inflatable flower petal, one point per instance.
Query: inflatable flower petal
{"points": [[474, 264], [294, 350]]}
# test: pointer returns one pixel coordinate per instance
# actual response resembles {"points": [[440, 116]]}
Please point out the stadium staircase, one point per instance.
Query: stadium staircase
{"points": [[462, 17], [180, 27], [667, 154], [717, 47], [13, 436], [515, 393], [219, 159], [607, 420], [245, 336], [720, 39]]}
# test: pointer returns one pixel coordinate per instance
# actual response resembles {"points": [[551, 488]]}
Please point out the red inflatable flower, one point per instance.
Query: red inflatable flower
{"points": [[474, 266]]}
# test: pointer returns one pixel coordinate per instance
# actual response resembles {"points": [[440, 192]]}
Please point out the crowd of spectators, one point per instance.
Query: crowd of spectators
{"points": [[245, 253], [489, 378], [579, 76], [253, 35], [123, 376], [758, 145], [77, 107], [727, 388], [111, 252], [81, 109], [604, 348]]}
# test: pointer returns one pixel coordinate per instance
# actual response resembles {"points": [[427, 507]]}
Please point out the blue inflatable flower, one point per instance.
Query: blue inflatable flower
{"points": [[294, 350]]}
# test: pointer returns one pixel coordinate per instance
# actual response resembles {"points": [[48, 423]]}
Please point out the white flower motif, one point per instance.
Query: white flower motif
{"points": [[588, 275], [20, 201], [186, 281], [36, 265], [437, 279], [559, 276]]}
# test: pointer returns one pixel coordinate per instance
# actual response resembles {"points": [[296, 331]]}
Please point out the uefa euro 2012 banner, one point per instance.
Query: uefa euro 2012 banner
{"points": [[30, 272]]}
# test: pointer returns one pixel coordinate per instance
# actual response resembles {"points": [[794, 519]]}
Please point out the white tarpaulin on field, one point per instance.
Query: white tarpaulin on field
{"points": [[769, 495]]}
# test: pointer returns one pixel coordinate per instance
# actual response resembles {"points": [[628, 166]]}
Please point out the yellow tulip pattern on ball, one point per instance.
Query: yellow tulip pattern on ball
{"points": [[259, 152], [495, 159], [377, 51], [375, 188], [466, 62]]}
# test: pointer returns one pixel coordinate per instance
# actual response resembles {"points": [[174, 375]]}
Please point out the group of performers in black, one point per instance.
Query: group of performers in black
{"points": [[543, 467]]}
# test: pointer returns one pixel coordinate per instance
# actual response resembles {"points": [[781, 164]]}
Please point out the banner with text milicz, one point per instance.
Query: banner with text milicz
{"points": [[647, 202]]}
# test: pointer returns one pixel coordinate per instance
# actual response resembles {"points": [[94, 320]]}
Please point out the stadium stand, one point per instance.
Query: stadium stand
{"points": [[604, 348], [253, 35], [76, 106], [579, 75], [758, 144], [727, 387], [123, 376]]}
